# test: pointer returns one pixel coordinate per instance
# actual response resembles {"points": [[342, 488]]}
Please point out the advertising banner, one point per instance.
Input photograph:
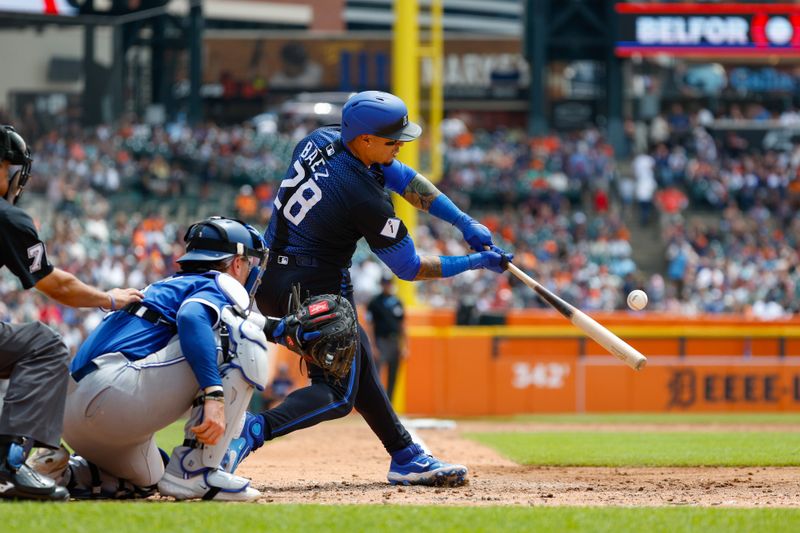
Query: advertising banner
{"points": [[40, 7], [252, 67], [726, 29], [693, 384]]}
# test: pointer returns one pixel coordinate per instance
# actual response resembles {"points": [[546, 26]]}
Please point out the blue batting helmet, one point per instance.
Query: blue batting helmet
{"points": [[218, 238], [377, 113]]}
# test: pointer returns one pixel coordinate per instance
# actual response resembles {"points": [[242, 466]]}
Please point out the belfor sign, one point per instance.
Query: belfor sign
{"points": [[708, 29]]}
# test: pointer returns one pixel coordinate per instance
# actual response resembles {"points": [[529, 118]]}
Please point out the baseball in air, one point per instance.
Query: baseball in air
{"points": [[637, 299]]}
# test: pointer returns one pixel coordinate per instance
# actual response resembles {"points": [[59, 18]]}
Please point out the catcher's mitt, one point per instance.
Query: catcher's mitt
{"points": [[323, 331]]}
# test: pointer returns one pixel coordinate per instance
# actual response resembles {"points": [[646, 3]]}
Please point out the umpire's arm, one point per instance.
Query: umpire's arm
{"points": [[66, 289]]}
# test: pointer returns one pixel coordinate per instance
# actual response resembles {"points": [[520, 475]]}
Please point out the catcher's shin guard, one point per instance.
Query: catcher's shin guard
{"points": [[194, 469], [249, 440], [248, 368]]}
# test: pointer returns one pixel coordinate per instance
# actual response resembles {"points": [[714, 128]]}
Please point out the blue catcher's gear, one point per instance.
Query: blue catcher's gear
{"points": [[217, 238], [249, 440], [14, 149], [380, 114]]}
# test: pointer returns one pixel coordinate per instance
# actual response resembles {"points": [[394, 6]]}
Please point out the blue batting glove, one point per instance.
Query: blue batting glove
{"points": [[507, 256], [491, 260], [476, 234]]}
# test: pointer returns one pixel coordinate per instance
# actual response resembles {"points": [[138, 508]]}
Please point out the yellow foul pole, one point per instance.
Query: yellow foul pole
{"points": [[405, 84], [435, 52]]}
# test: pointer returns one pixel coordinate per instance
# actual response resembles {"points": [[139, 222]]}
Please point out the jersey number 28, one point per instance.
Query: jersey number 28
{"points": [[305, 196]]}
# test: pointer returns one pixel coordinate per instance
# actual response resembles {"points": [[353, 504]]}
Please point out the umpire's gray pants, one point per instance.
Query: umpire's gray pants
{"points": [[35, 360], [113, 413]]}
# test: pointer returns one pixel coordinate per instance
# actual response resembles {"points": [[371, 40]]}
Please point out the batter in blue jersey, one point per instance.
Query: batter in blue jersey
{"points": [[335, 192]]}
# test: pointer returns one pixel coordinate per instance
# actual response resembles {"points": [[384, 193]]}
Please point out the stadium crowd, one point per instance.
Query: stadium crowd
{"points": [[563, 203]]}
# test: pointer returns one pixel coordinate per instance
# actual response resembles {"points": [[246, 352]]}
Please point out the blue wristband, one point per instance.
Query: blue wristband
{"points": [[456, 264], [444, 208]]}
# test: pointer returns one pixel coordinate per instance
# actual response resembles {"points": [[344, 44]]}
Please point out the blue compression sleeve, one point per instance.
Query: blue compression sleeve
{"points": [[397, 176], [444, 208], [198, 343], [401, 258], [456, 264]]}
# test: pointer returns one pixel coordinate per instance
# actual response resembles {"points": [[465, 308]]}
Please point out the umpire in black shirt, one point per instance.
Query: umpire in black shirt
{"points": [[386, 314], [33, 356]]}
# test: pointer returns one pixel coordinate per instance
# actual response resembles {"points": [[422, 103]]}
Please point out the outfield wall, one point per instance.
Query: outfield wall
{"points": [[542, 364]]}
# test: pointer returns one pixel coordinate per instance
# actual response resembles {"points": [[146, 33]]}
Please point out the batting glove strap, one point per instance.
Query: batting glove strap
{"points": [[491, 260]]}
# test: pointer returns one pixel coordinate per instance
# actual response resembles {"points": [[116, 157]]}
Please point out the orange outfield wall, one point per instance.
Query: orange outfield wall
{"points": [[540, 363]]}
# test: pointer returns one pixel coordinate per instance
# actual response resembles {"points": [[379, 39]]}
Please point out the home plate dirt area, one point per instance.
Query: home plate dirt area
{"points": [[343, 462]]}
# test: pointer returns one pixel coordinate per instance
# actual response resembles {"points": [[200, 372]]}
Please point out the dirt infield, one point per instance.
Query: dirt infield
{"points": [[343, 462]]}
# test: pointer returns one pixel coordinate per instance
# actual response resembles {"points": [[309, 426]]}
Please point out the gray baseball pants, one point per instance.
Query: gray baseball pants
{"points": [[35, 361], [113, 412]]}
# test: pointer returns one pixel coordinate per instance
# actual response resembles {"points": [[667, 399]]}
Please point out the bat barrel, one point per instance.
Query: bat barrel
{"points": [[615, 346]]}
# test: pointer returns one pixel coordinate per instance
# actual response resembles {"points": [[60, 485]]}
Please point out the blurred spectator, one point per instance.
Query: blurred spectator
{"points": [[246, 204], [643, 172], [671, 201], [559, 201]]}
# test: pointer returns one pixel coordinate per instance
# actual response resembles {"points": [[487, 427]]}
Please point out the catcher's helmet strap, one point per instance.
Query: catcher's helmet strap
{"points": [[222, 246]]}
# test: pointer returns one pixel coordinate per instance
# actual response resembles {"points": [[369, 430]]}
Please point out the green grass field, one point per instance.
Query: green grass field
{"points": [[170, 436], [612, 448], [628, 448], [138, 517]]}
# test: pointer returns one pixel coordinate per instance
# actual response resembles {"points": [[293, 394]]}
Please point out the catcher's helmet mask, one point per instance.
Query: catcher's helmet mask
{"points": [[217, 238], [14, 149], [380, 114]]}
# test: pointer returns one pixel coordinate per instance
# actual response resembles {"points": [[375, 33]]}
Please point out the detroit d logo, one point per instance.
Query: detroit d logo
{"points": [[682, 388]]}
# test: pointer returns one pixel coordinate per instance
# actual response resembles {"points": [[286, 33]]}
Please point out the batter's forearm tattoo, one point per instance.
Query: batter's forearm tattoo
{"points": [[421, 193], [430, 267]]}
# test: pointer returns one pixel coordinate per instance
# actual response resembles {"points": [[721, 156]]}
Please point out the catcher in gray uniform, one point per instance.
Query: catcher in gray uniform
{"points": [[32, 355]]}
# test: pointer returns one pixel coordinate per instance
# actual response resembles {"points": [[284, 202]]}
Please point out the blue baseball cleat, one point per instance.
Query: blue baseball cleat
{"points": [[412, 466], [249, 440]]}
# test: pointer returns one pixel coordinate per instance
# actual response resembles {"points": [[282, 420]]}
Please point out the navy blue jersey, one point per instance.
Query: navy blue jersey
{"points": [[137, 338], [330, 199]]}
